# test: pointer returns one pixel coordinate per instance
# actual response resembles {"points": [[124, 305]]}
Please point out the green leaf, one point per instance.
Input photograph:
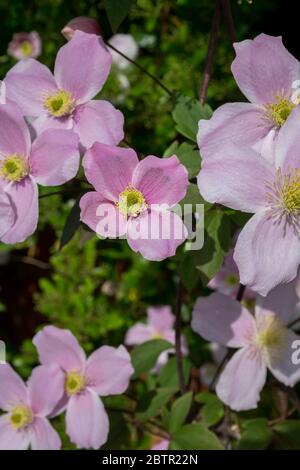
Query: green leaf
{"points": [[179, 412], [288, 433], [213, 410], [152, 403], [116, 11], [193, 196], [256, 435], [71, 225], [187, 113], [145, 355], [188, 155], [168, 376], [195, 437]]}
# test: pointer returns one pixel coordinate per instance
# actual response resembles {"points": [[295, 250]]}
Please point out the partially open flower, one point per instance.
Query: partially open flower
{"points": [[25, 45], [83, 23]]}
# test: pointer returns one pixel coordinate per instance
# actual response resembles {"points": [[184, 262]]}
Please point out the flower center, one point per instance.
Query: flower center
{"points": [[284, 194], [271, 335], [232, 280], [75, 383], [26, 48], [14, 168], [21, 416], [279, 111], [131, 202], [60, 104]]}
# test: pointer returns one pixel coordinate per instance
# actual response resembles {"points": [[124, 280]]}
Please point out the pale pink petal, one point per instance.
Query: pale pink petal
{"points": [[86, 420], [43, 435], [24, 197], [222, 319], [161, 180], [162, 445], [156, 235], [161, 318], [101, 216], [241, 123], [46, 121], [287, 152], [236, 178], [281, 364], [12, 388], [7, 213], [27, 83], [10, 439], [262, 241], [263, 68], [82, 66], [138, 334], [242, 380], [14, 132], [109, 169], [282, 300], [58, 346], [98, 121], [54, 158], [109, 370], [45, 388]]}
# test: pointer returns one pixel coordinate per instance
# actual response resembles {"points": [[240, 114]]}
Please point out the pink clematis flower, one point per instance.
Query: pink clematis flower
{"points": [[267, 252], [26, 408], [160, 325], [268, 75], [227, 280], [124, 43], [83, 23], [264, 342], [106, 372], [161, 445], [51, 160], [25, 45], [65, 100], [132, 198]]}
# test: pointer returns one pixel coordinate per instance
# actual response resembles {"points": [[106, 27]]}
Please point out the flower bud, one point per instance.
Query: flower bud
{"points": [[83, 23]]}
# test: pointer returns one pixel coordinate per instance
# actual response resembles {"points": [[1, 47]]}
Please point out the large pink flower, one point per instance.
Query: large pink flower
{"points": [[65, 100], [267, 252], [26, 409], [51, 160], [263, 341], [106, 372], [132, 198], [160, 325], [266, 73]]}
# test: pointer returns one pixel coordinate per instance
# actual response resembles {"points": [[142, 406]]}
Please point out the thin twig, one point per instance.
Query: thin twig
{"points": [[213, 39], [178, 338], [155, 79], [226, 7]]}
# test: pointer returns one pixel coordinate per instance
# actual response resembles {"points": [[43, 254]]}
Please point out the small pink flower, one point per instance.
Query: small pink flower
{"points": [[162, 445], [263, 341], [65, 100], [160, 325], [106, 372], [26, 408], [267, 251], [124, 43], [132, 198], [227, 280], [82, 23], [267, 74], [51, 160], [25, 45]]}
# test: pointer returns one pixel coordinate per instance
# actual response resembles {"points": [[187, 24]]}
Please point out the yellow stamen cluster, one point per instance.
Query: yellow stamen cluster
{"points": [[75, 383], [279, 110], [14, 168], [131, 202], [271, 335], [60, 104], [26, 48], [284, 194], [20, 417]]}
